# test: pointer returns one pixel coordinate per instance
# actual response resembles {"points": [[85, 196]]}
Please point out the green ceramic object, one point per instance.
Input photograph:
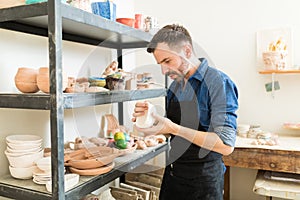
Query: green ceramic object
{"points": [[122, 144]]}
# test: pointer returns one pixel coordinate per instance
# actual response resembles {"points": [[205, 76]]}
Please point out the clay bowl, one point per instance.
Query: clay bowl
{"points": [[43, 79], [26, 74], [126, 21], [94, 157], [44, 163], [43, 82], [94, 171], [70, 181], [130, 150], [91, 163], [101, 151], [26, 87], [25, 80]]}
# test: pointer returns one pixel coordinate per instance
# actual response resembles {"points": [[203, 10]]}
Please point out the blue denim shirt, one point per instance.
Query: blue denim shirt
{"points": [[217, 98]]}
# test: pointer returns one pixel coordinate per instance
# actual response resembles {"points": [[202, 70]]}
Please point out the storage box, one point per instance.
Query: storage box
{"points": [[105, 9]]}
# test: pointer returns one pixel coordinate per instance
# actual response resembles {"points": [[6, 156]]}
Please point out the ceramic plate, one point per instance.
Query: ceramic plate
{"points": [[92, 172]]}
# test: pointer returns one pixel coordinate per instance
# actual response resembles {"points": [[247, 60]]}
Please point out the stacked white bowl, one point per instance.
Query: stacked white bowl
{"points": [[43, 172], [243, 129], [22, 151]]}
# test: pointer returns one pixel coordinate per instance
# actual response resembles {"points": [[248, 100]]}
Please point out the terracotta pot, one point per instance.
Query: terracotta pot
{"points": [[43, 79], [25, 80], [43, 82]]}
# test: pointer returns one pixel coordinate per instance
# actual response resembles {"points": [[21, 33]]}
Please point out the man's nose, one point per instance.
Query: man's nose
{"points": [[164, 69]]}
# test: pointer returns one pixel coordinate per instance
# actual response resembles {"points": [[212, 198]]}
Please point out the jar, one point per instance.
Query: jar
{"points": [[26, 80], [138, 21]]}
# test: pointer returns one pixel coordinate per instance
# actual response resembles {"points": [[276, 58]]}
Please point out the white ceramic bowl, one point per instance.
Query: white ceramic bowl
{"points": [[22, 139], [24, 146], [44, 163], [18, 154], [70, 181], [21, 172], [25, 160], [23, 151], [243, 127]]}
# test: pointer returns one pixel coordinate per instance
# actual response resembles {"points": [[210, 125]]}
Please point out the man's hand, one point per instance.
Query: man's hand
{"points": [[162, 125], [139, 110]]}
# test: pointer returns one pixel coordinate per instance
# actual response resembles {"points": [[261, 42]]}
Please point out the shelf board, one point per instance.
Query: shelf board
{"points": [[292, 126], [22, 189], [41, 101], [294, 71], [78, 26]]}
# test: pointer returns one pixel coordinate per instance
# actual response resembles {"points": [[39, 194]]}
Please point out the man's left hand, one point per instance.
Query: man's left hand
{"points": [[162, 125]]}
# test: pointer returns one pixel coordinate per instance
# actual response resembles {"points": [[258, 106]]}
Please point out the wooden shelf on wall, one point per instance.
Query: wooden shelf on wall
{"points": [[288, 71], [292, 126]]}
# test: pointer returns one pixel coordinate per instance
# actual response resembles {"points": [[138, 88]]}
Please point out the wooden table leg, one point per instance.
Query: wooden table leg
{"points": [[226, 195]]}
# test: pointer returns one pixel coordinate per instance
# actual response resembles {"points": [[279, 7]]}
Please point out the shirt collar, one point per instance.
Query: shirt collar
{"points": [[200, 72]]}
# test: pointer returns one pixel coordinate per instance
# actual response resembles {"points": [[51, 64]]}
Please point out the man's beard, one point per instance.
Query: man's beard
{"points": [[179, 77]]}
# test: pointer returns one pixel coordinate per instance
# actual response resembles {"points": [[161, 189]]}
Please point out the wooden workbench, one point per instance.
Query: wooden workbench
{"points": [[284, 158]]}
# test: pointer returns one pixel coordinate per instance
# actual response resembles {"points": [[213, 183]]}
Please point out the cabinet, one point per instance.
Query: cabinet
{"points": [[59, 22]]}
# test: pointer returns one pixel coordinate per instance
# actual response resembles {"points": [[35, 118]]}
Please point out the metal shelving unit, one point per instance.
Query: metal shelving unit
{"points": [[76, 100], [26, 189], [58, 22], [77, 26]]}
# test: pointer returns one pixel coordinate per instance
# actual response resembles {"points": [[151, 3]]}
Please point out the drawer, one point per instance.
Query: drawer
{"points": [[265, 159]]}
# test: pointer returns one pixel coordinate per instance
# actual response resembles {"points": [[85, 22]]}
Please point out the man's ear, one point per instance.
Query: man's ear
{"points": [[188, 50]]}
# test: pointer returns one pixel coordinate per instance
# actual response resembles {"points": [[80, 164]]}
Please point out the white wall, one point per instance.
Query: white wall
{"points": [[125, 9], [226, 30]]}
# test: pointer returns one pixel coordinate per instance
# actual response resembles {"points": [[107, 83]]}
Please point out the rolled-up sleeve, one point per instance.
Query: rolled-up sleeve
{"points": [[224, 104]]}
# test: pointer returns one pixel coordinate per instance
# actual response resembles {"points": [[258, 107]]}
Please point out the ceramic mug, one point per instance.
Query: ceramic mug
{"points": [[146, 121]]}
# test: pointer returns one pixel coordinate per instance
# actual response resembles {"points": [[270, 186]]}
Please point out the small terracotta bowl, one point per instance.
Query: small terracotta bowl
{"points": [[126, 21]]}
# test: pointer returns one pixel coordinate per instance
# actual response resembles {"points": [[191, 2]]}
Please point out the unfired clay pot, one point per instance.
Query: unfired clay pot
{"points": [[43, 79], [43, 82], [25, 80]]}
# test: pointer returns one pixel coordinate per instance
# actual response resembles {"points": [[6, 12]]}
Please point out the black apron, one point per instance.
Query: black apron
{"points": [[192, 173]]}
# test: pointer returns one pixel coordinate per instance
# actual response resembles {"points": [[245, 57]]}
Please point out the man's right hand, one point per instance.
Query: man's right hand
{"points": [[139, 110]]}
